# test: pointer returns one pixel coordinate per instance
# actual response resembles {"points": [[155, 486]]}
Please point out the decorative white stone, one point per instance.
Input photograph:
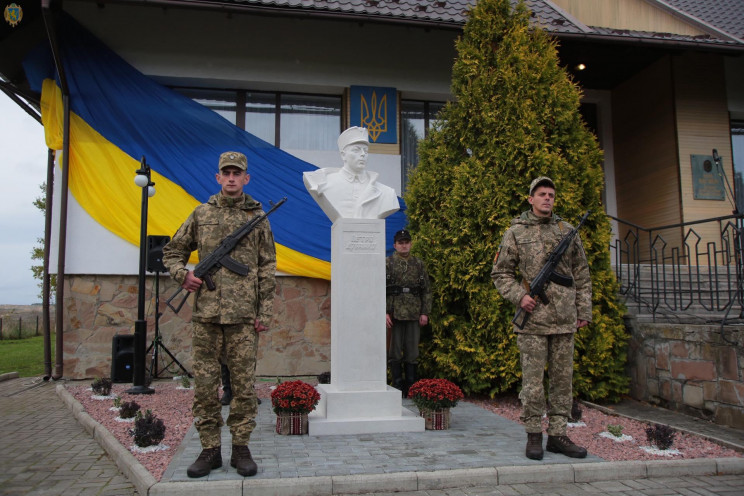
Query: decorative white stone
{"points": [[620, 439]]}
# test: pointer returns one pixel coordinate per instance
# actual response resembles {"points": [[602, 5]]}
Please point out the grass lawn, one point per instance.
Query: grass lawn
{"points": [[25, 356]]}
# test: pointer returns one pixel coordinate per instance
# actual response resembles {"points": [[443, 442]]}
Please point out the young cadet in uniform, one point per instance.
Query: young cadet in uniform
{"points": [[232, 315], [408, 302], [548, 335]]}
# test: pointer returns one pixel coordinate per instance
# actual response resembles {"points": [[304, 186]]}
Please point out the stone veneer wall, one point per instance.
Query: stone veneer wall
{"points": [[97, 307], [689, 368]]}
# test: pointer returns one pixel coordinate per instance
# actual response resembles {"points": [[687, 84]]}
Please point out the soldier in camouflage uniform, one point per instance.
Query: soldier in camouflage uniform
{"points": [[230, 316], [548, 335], [408, 303]]}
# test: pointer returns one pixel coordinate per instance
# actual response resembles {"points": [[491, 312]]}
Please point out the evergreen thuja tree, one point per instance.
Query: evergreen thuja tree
{"points": [[515, 116]]}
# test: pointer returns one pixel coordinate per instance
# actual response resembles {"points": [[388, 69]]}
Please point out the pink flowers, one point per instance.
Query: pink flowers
{"points": [[294, 397], [435, 394]]}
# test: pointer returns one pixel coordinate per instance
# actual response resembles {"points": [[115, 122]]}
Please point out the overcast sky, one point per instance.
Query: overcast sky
{"points": [[23, 154]]}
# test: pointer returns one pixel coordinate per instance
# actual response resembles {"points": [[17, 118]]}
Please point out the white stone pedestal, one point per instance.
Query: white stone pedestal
{"points": [[358, 400]]}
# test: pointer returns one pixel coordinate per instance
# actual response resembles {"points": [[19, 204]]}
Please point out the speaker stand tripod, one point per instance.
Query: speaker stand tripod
{"points": [[157, 341]]}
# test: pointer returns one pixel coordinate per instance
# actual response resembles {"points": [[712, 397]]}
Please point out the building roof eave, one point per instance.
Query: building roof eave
{"points": [[697, 22], [659, 43]]}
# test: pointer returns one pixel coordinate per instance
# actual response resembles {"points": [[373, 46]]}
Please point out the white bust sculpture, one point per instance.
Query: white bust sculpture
{"points": [[351, 192]]}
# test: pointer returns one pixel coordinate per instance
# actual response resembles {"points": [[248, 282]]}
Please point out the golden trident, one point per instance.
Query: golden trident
{"points": [[375, 120]]}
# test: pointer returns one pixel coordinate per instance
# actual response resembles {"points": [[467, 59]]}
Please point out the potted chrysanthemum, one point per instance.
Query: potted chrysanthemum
{"points": [[434, 398], [292, 401]]}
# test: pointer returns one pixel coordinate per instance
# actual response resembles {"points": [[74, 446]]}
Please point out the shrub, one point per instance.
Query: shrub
{"points": [[615, 430], [434, 394], [148, 430], [117, 402], [101, 386], [185, 382], [661, 436], [514, 116], [128, 409]]}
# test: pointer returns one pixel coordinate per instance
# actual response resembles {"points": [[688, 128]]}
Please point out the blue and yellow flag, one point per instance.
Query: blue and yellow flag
{"points": [[118, 115]]}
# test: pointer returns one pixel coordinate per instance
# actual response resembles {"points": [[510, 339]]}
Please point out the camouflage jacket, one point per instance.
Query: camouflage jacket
{"points": [[408, 289], [523, 252], [236, 299]]}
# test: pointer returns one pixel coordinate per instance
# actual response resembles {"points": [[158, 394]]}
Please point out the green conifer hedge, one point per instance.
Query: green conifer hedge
{"points": [[515, 116]]}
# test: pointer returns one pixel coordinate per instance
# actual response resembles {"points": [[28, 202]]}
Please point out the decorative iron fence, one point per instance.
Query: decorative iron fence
{"points": [[690, 272]]}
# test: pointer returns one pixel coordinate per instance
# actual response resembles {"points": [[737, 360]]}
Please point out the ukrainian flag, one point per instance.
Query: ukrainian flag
{"points": [[118, 115]]}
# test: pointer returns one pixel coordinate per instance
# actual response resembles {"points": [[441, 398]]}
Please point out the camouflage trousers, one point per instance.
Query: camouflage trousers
{"points": [[555, 350], [237, 345], [404, 341]]}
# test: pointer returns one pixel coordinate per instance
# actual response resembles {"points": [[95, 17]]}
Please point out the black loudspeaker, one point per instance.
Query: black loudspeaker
{"points": [[122, 358], [155, 246]]}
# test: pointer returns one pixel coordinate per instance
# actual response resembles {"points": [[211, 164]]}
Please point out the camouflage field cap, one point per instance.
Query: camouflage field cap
{"points": [[233, 159], [402, 235], [541, 181]]}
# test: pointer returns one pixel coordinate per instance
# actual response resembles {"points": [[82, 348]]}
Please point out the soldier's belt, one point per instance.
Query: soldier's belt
{"points": [[399, 290]]}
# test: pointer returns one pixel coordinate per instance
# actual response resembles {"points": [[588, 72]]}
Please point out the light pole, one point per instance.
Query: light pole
{"points": [[142, 179]]}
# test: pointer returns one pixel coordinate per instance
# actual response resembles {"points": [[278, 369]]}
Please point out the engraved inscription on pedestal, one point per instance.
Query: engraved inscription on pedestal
{"points": [[361, 242]]}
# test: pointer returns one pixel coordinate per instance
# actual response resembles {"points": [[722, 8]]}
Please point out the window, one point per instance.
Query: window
{"points": [[221, 101], [737, 145], [260, 115], [310, 122], [304, 122], [416, 118]]}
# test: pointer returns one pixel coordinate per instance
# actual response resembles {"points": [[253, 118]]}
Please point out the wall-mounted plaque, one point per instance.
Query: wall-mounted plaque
{"points": [[707, 181]]}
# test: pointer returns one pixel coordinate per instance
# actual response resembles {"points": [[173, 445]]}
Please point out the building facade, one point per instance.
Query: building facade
{"points": [[662, 81]]}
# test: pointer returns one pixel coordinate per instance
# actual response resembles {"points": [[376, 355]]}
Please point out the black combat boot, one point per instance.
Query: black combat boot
{"points": [[396, 370], [209, 458], [562, 444], [410, 378], [242, 460], [226, 389], [534, 449]]}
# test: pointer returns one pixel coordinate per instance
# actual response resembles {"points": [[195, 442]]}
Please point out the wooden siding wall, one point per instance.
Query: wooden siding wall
{"points": [[674, 108], [702, 125], [636, 15], [646, 163]]}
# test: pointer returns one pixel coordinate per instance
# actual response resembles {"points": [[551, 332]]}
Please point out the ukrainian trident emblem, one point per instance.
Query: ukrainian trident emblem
{"points": [[374, 115]]}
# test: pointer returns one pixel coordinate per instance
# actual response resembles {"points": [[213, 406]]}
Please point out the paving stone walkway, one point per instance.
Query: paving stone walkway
{"points": [[45, 451]]}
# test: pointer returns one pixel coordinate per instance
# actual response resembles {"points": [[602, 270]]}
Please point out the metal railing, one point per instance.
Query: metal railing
{"points": [[673, 273]]}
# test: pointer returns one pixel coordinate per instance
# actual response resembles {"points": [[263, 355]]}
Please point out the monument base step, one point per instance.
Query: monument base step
{"points": [[361, 412], [408, 421]]}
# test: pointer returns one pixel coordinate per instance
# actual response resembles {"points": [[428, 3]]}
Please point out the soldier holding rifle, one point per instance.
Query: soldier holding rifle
{"points": [[230, 309], [545, 332]]}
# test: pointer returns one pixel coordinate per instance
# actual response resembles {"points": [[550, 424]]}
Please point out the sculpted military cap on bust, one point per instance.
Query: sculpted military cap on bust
{"points": [[233, 159], [353, 135]]}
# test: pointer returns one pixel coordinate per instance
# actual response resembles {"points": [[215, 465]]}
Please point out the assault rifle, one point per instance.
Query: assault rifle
{"points": [[220, 257], [548, 273]]}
